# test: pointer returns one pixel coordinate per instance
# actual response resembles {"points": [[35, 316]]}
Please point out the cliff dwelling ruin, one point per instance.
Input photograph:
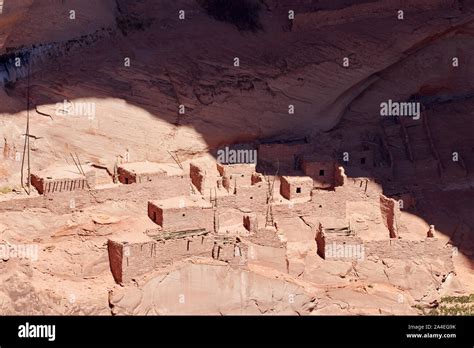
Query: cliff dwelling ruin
{"points": [[208, 162]]}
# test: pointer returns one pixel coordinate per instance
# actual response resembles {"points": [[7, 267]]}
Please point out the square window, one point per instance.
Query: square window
{"points": [[321, 172], [362, 160], [298, 190]]}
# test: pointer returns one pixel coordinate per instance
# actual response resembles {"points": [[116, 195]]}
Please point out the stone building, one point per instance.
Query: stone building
{"points": [[170, 177], [204, 176], [182, 213], [321, 170], [390, 210], [296, 187], [131, 255], [286, 154], [63, 179], [236, 175], [139, 172], [336, 240]]}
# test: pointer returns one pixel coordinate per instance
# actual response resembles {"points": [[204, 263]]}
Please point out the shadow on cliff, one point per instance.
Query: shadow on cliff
{"points": [[162, 96]]}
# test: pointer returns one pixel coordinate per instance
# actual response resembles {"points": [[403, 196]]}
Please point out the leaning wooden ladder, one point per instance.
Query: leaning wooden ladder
{"points": [[26, 147], [269, 221], [213, 200]]}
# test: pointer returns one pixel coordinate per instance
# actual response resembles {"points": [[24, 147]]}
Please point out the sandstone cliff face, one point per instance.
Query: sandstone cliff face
{"points": [[32, 22], [190, 63]]}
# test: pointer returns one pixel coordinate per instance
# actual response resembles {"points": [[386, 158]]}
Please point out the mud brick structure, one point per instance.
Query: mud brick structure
{"points": [[390, 209], [170, 177], [361, 158], [203, 177], [131, 255], [139, 172], [296, 187], [172, 247], [250, 222], [182, 213], [321, 170], [409, 249], [287, 154], [336, 240], [63, 179], [229, 249], [249, 195], [236, 175], [352, 108], [340, 177]]}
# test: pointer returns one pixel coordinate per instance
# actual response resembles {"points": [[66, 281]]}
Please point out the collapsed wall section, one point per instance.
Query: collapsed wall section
{"points": [[390, 210], [409, 249], [134, 255]]}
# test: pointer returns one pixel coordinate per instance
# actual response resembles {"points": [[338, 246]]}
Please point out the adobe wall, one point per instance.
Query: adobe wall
{"points": [[240, 168], [236, 176], [289, 187], [227, 218], [201, 179], [313, 169], [127, 177], [167, 187], [131, 260], [257, 177], [390, 214], [46, 187], [363, 159], [227, 201], [340, 177], [240, 221], [284, 210], [231, 251], [181, 219], [329, 203], [408, 249], [59, 202], [20, 204], [360, 188], [339, 248], [285, 154], [235, 181], [252, 195], [173, 250], [250, 222], [115, 251]]}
